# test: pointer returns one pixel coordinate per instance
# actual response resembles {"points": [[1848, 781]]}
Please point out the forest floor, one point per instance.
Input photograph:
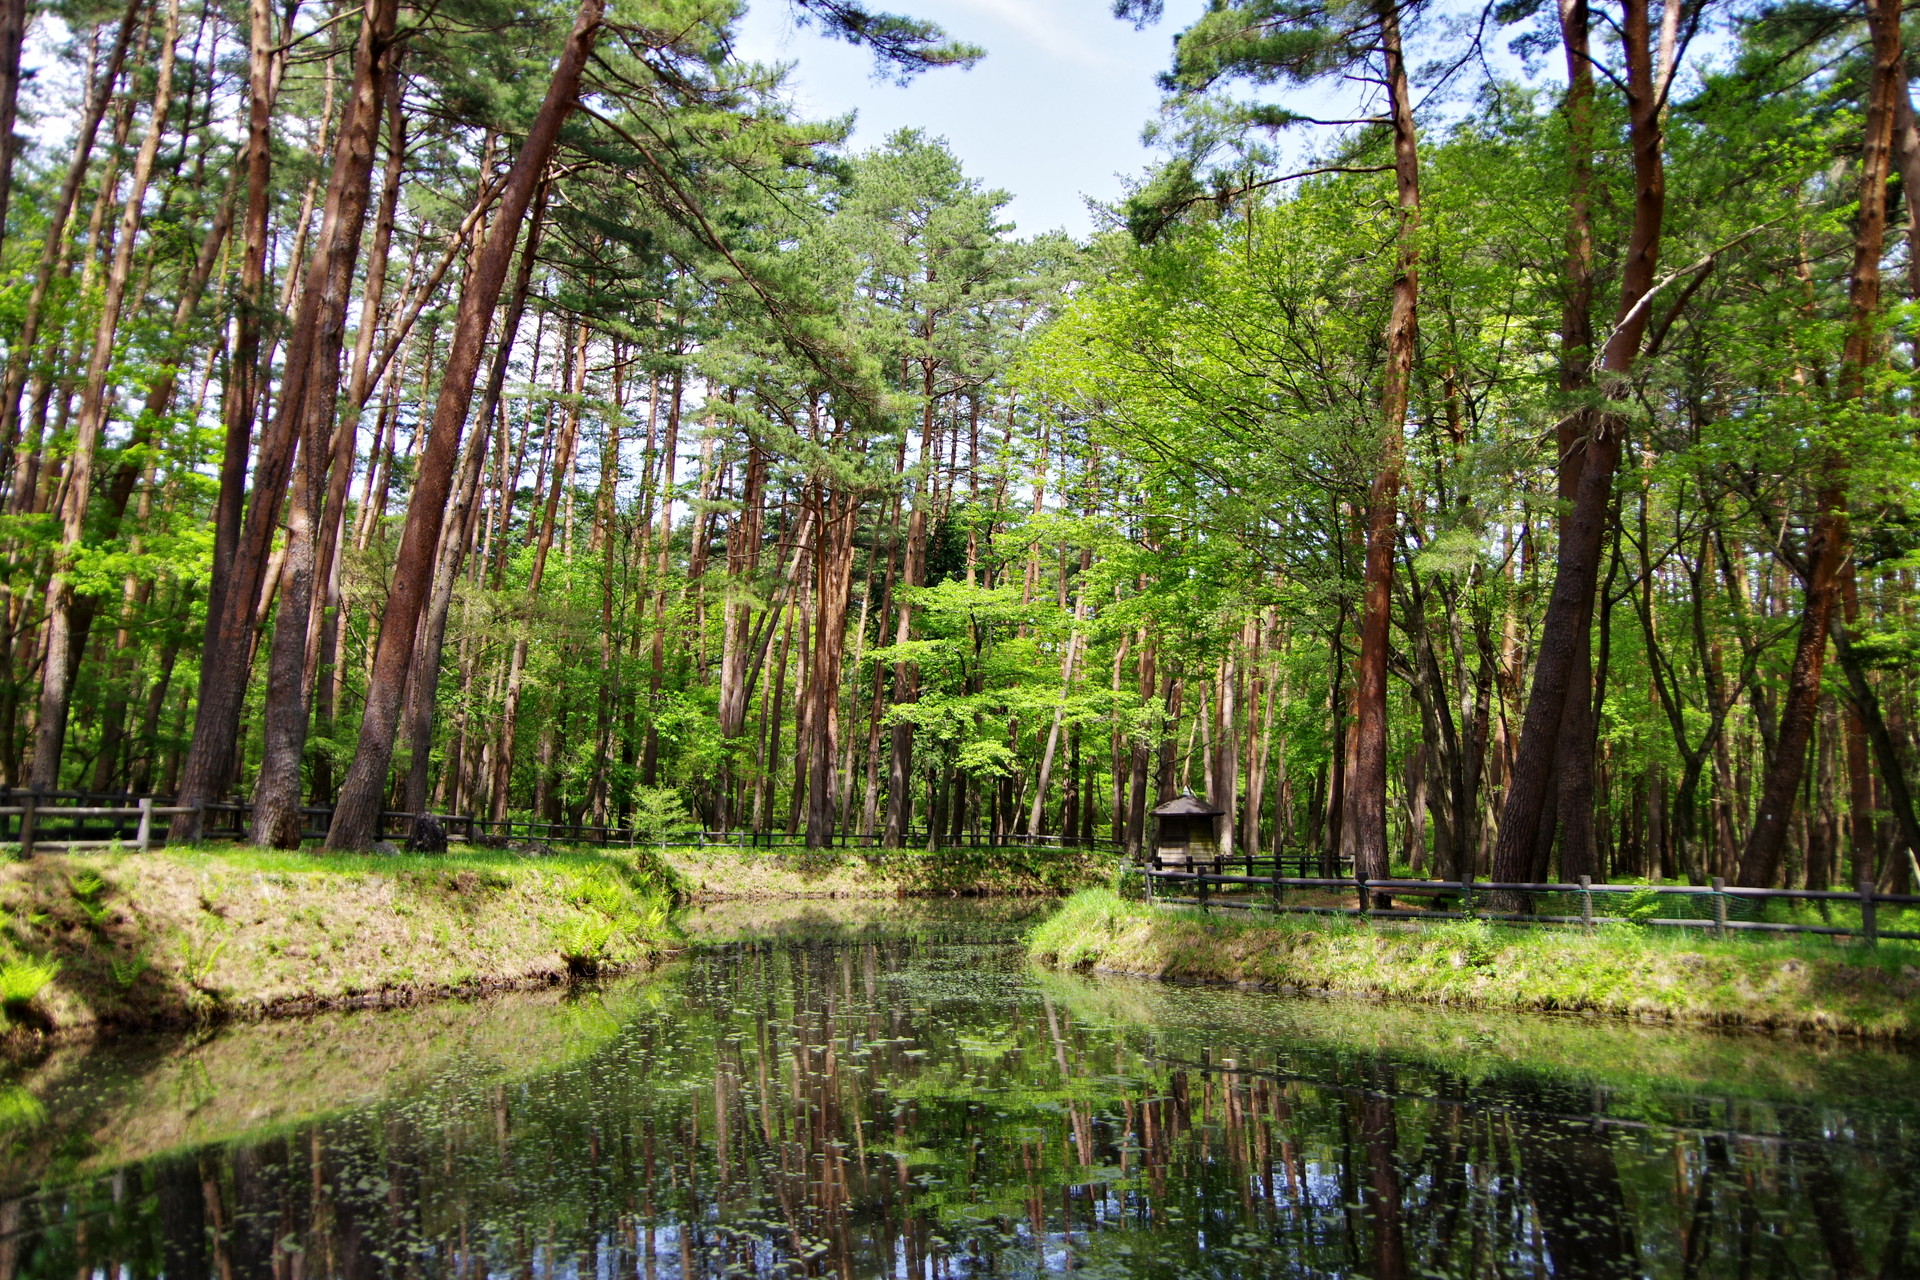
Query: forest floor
{"points": [[1809, 985], [208, 934]]}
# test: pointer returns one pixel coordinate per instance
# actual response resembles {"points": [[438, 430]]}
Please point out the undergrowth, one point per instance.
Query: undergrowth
{"points": [[1803, 983]]}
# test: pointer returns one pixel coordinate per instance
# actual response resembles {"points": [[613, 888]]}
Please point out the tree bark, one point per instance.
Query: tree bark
{"points": [[359, 805], [235, 581], [573, 368], [1827, 545], [1583, 530], [1573, 751], [423, 686], [1368, 785], [62, 644], [905, 688], [309, 391], [833, 569], [55, 243]]}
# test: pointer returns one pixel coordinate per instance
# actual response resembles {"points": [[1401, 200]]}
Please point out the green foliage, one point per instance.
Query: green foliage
{"points": [[1803, 984], [22, 978]]}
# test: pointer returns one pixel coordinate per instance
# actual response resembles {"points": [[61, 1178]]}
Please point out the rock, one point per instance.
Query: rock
{"points": [[386, 847], [429, 836]]}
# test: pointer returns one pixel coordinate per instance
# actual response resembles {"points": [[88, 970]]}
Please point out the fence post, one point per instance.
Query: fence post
{"points": [[1200, 881], [1719, 908], [1869, 912], [144, 840], [27, 807], [1586, 903]]}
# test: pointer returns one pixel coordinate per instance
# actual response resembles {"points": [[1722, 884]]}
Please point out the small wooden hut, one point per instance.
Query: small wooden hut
{"points": [[1186, 834]]}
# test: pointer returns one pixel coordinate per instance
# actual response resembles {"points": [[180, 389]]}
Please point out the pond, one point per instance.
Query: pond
{"points": [[903, 1096]]}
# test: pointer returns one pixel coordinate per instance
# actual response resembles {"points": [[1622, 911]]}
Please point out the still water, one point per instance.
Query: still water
{"points": [[909, 1098]]}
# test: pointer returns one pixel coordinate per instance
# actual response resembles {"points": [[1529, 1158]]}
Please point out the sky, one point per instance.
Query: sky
{"points": [[1052, 114]]}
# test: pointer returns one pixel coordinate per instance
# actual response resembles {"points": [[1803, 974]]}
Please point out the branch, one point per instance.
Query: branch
{"points": [[1701, 264]]}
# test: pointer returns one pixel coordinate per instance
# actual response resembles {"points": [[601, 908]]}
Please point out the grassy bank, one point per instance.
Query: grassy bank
{"points": [[73, 1109], [721, 874], [1805, 985], [200, 935]]}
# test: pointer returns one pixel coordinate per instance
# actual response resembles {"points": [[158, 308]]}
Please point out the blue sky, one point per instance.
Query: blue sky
{"points": [[1052, 114]]}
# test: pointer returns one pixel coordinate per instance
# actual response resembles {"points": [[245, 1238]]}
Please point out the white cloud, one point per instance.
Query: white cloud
{"points": [[1038, 21]]}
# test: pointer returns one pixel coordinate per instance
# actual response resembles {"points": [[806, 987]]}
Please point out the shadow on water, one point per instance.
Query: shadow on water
{"points": [[905, 1097]]}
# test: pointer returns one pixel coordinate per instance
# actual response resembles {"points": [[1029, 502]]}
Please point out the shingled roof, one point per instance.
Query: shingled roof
{"points": [[1185, 805]]}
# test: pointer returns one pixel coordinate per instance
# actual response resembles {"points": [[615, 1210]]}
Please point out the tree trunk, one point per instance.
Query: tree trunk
{"points": [[423, 685], [234, 583], [574, 368], [905, 688], [56, 242], [1827, 545], [833, 570], [1583, 529], [1368, 785], [1142, 754], [1067, 662], [359, 804], [63, 654], [309, 391]]}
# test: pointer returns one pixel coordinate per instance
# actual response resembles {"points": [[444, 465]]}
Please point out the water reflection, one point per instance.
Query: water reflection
{"points": [[923, 1106]]}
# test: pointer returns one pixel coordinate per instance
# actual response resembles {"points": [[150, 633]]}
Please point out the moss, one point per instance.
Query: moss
{"points": [[1804, 985], [204, 934]]}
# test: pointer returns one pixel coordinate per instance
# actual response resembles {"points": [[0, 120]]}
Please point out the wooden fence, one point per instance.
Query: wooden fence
{"points": [[1718, 907], [96, 820]]}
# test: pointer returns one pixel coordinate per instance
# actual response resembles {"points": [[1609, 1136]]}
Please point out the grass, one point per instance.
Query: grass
{"points": [[720, 873], [207, 933], [1799, 984]]}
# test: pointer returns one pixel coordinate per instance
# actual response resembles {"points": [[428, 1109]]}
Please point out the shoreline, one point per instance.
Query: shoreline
{"points": [[1806, 990], [96, 944]]}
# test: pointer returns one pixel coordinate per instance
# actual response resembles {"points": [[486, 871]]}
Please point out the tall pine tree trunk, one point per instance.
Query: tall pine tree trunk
{"points": [[905, 688], [235, 582], [423, 686], [308, 394], [1573, 802], [62, 644], [1828, 542], [1367, 800], [1583, 529], [358, 809]]}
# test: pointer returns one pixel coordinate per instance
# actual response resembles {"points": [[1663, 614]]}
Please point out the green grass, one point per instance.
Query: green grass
{"points": [[1803, 984], [210, 932], [722, 872]]}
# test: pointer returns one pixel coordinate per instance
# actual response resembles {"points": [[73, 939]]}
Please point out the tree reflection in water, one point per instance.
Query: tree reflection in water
{"points": [[923, 1107]]}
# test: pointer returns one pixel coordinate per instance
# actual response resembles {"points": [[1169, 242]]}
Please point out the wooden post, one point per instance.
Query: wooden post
{"points": [[1869, 912], [1719, 908], [1586, 903], [27, 807], [144, 840]]}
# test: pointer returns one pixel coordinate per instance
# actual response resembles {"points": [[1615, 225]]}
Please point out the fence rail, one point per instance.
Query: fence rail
{"points": [[97, 819], [1460, 900]]}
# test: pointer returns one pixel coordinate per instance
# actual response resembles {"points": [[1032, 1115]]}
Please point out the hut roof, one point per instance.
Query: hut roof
{"points": [[1185, 805]]}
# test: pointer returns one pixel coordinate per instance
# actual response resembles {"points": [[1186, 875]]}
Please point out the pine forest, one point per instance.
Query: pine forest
{"points": [[1482, 445]]}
